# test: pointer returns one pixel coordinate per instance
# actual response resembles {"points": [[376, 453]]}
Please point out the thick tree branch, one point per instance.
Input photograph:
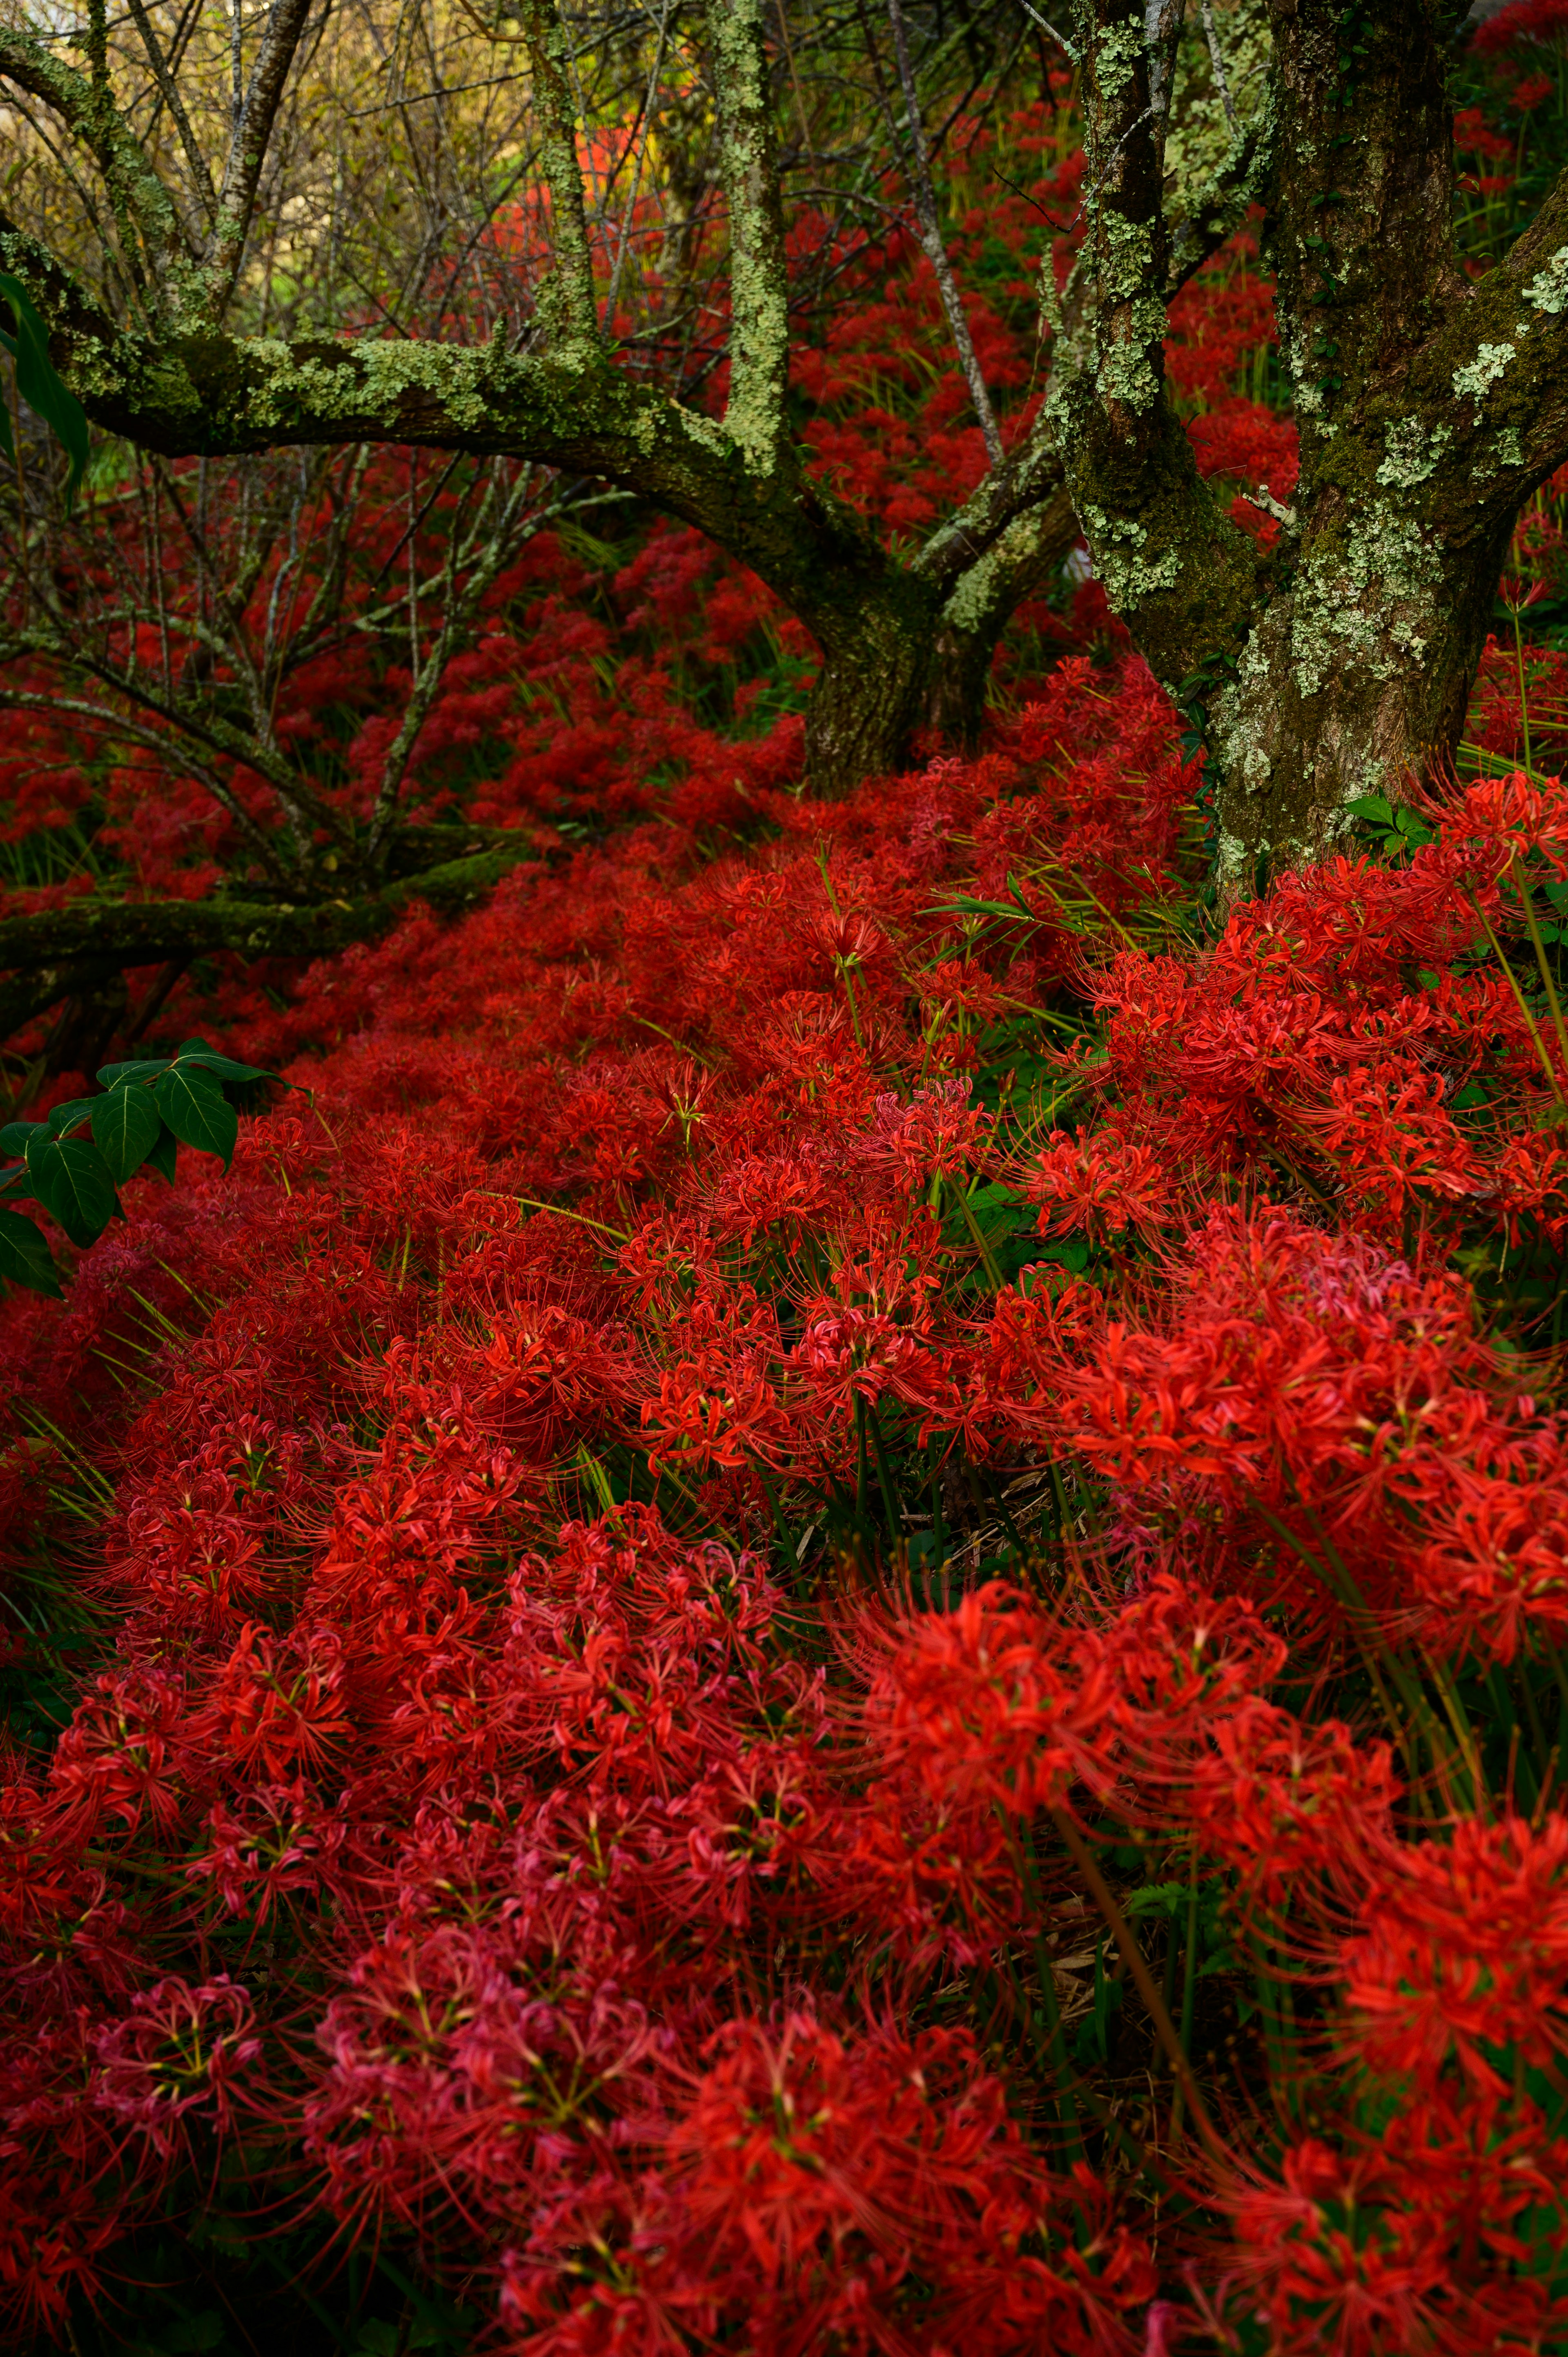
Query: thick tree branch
{"points": [[568, 294], [1361, 229], [1499, 364], [759, 293], [60, 954], [202, 392], [1168, 555]]}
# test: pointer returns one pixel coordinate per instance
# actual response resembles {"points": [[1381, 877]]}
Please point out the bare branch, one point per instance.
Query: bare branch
{"points": [[200, 178], [255, 112], [931, 239], [1217, 60]]}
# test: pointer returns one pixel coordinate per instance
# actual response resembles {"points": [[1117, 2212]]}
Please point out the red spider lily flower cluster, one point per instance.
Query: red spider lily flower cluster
{"points": [[562, 1880]]}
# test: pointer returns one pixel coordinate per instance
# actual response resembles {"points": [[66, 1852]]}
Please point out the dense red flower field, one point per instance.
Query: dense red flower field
{"points": [[829, 1613]]}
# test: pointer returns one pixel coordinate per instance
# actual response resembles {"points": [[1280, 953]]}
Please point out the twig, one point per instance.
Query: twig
{"points": [[931, 239]]}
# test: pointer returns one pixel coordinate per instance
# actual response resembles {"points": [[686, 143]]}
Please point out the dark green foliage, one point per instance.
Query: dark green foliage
{"points": [[39, 386], [75, 1160]]}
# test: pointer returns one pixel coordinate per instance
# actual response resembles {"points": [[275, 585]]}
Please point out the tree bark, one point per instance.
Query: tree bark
{"points": [[73, 953], [1430, 406], [1330, 702]]}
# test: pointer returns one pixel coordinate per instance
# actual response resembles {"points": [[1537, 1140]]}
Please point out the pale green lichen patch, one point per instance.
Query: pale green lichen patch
{"points": [[1483, 372], [1243, 757], [1358, 602], [1412, 451], [364, 379], [759, 337], [1547, 290], [704, 431], [1117, 54], [972, 600], [1507, 453], [1117, 544]]}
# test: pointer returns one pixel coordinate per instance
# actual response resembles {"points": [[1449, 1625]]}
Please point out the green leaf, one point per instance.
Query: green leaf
{"points": [[962, 904], [63, 1116], [1157, 1898], [71, 1179], [40, 386], [1373, 807], [197, 1111], [226, 1068], [126, 1125], [1070, 1252], [15, 1135], [143, 1069], [24, 1257], [161, 1155]]}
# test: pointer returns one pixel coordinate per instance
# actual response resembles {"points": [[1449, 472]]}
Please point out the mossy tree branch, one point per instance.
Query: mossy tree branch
{"points": [[759, 290], [65, 952], [569, 294]]}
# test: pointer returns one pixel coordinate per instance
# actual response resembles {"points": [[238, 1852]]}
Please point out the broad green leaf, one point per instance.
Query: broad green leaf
{"points": [[126, 1125], [63, 1116], [161, 1155], [15, 1135], [1070, 1252], [196, 1110], [71, 1179], [226, 1068], [24, 1257], [39, 385], [143, 1069], [1373, 807]]}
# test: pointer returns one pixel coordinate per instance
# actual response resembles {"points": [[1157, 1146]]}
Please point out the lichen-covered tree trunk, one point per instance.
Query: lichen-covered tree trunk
{"points": [[1354, 679], [912, 663], [1429, 404]]}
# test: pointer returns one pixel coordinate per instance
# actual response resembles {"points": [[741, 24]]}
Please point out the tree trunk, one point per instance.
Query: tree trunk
{"points": [[1429, 403], [870, 693], [1345, 688], [914, 658]]}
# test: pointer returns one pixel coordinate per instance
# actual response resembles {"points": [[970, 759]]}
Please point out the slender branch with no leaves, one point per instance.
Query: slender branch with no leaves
{"points": [[931, 241]]}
